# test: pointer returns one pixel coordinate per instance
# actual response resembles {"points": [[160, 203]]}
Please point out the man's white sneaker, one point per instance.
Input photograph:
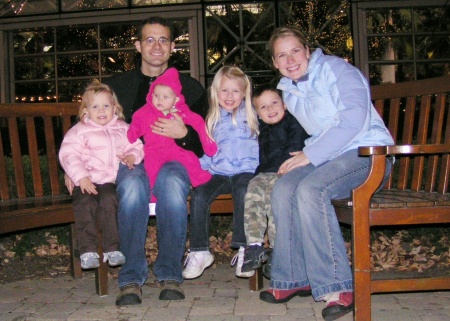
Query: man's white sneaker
{"points": [[114, 258], [239, 259], [89, 260], [196, 263]]}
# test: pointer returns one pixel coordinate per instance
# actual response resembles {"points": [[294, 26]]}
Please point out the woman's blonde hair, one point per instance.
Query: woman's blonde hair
{"points": [[282, 32], [213, 116], [94, 88]]}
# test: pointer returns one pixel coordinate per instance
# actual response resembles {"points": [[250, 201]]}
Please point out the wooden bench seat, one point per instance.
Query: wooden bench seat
{"points": [[417, 114]]}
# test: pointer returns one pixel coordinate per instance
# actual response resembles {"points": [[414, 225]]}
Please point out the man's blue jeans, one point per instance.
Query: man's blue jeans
{"points": [[309, 248], [201, 199], [171, 188], [133, 191]]}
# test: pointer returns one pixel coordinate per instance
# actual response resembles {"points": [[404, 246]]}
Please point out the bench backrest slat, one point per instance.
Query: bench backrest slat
{"points": [[16, 157], [417, 113], [4, 192], [34, 157], [52, 158]]}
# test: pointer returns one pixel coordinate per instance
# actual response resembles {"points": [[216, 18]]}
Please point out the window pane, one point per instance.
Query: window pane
{"points": [[78, 65], [117, 35], [77, 5], [34, 68], [29, 42], [71, 90], [390, 48], [36, 92], [433, 19], [20, 7], [180, 59], [77, 38], [137, 3], [390, 73], [115, 62], [433, 47], [389, 20], [428, 70]]}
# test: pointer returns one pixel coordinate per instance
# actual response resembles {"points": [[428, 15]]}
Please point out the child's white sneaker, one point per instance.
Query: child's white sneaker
{"points": [[114, 258], [196, 263], [239, 259], [89, 260]]}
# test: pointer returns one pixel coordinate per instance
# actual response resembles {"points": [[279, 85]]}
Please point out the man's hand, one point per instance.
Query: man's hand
{"points": [[69, 184], [298, 159], [128, 160], [87, 186], [172, 128]]}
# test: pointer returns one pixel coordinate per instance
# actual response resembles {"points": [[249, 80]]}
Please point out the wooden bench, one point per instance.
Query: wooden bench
{"points": [[418, 116], [28, 198]]}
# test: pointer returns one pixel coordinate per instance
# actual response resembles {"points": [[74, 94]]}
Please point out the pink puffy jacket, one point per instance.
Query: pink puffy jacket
{"points": [[90, 150]]}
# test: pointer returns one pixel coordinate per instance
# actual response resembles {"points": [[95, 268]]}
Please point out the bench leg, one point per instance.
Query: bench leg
{"points": [[101, 278], [101, 273], [75, 263], [256, 281]]}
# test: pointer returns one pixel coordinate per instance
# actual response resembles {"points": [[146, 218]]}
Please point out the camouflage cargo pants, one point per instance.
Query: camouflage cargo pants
{"points": [[258, 212]]}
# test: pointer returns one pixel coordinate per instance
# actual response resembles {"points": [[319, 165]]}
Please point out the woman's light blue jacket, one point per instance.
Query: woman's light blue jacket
{"points": [[332, 102]]}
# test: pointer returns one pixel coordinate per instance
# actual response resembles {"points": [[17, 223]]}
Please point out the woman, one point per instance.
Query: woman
{"points": [[331, 100]]}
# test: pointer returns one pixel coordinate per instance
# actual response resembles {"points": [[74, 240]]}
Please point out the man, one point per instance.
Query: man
{"points": [[155, 43]]}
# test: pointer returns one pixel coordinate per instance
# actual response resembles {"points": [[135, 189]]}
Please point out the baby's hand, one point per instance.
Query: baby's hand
{"points": [[87, 186], [128, 160]]}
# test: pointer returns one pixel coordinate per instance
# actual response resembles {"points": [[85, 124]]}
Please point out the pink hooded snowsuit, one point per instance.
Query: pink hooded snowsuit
{"points": [[160, 149]]}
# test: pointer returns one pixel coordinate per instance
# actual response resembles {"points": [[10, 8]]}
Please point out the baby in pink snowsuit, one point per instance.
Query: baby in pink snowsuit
{"points": [[164, 99]]}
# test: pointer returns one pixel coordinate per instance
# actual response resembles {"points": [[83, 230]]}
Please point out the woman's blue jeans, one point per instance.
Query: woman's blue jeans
{"points": [[309, 248], [201, 199]]}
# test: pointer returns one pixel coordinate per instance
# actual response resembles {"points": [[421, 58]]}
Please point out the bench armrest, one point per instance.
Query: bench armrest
{"points": [[404, 149], [378, 156]]}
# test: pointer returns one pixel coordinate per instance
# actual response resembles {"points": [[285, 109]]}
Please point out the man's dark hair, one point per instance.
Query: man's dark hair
{"points": [[155, 20], [258, 91]]}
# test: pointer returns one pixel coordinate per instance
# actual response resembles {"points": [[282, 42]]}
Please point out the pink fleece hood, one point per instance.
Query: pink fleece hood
{"points": [[171, 78]]}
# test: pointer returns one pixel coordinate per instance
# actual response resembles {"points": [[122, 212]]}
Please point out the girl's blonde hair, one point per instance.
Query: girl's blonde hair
{"points": [[282, 32], [213, 116], [94, 88]]}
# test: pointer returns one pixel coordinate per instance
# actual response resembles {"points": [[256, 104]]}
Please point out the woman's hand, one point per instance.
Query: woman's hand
{"points": [[298, 159], [172, 128]]}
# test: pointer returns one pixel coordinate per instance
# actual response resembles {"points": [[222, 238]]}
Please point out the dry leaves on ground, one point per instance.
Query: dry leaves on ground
{"points": [[389, 253]]}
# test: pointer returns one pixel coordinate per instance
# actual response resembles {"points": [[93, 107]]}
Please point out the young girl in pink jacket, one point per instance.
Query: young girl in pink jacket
{"points": [[90, 155]]}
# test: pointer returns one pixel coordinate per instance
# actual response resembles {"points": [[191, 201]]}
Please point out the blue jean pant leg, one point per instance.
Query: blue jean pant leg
{"points": [[171, 189], [133, 191], [321, 252], [200, 217], [239, 185], [288, 264]]}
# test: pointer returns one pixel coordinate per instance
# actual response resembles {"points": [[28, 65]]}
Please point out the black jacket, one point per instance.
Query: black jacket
{"points": [[132, 88], [277, 141]]}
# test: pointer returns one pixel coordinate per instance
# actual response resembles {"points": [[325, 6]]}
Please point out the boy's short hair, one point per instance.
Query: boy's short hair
{"points": [[258, 91]]}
